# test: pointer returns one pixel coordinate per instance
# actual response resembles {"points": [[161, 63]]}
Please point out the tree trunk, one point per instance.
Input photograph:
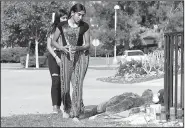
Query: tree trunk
{"points": [[36, 53], [28, 54], [126, 46], [27, 60]]}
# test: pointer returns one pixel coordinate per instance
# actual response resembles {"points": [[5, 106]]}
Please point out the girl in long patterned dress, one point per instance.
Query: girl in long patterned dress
{"points": [[74, 58]]}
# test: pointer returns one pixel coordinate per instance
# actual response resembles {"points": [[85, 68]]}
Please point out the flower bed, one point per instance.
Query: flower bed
{"points": [[140, 71], [120, 80]]}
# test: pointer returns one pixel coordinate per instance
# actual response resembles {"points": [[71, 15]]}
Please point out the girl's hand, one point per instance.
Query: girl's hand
{"points": [[74, 49], [58, 60], [64, 49]]}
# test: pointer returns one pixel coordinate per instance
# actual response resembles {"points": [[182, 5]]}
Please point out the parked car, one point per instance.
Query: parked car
{"points": [[129, 55]]}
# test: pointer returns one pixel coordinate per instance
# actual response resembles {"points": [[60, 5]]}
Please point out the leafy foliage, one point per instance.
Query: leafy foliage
{"points": [[25, 20], [12, 55], [32, 63]]}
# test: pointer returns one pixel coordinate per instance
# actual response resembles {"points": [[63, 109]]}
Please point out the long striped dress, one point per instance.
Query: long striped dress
{"points": [[73, 67]]}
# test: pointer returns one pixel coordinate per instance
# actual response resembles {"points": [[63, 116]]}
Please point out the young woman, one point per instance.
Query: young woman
{"points": [[54, 62], [74, 56]]}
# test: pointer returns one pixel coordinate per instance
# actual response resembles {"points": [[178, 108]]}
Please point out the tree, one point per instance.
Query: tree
{"points": [[26, 20], [23, 20]]}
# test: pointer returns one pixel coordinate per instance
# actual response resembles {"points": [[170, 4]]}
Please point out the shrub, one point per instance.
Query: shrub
{"points": [[46, 53], [155, 62], [32, 61], [153, 65], [130, 67], [100, 52], [12, 55]]}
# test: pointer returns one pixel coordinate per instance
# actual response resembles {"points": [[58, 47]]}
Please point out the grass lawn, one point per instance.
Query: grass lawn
{"points": [[53, 120], [56, 120]]}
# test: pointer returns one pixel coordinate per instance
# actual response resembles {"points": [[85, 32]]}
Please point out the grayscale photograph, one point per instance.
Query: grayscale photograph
{"points": [[92, 63]]}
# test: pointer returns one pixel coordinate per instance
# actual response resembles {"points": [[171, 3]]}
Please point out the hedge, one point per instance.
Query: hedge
{"points": [[32, 61], [12, 55], [100, 52]]}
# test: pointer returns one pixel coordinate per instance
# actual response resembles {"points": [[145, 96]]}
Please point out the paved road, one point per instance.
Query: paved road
{"points": [[28, 91]]}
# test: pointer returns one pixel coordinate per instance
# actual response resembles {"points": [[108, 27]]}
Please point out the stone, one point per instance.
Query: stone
{"points": [[161, 96], [138, 101], [147, 96], [112, 116], [89, 111], [136, 119], [121, 103], [116, 99], [135, 110], [76, 120], [92, 117], [124, 114], [119, 107], [101, 107]]}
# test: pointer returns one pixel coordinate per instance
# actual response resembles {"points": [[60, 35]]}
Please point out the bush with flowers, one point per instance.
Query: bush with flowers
{"points": [[138, 71]]}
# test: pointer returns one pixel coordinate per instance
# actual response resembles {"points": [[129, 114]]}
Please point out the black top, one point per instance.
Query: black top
{"points": [[72, 36]]}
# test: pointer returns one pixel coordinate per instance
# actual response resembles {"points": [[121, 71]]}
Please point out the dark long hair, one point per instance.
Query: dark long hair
{"points": [[76, 8], [58, 15]]}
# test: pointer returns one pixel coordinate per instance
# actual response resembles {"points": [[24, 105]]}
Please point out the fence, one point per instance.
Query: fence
{"points": [[174, 73]]}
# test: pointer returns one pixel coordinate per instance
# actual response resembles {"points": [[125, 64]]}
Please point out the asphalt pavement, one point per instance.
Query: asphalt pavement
{"points": [[29, 91]]}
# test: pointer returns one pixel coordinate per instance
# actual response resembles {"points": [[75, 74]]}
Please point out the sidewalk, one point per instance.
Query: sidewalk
{"points": [[11, 66], [19, 66]]}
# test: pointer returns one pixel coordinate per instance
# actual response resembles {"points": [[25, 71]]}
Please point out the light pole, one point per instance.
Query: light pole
{"points": [[116, 7], [95, 42]]}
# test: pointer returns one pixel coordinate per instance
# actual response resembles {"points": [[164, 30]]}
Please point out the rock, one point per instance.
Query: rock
{"points": [[138, 101], [142, 108], [114, 100], [135, 110], [161, 96], [124, 114], [112, 116], [136, 119], [76, 120], [121, 103], [92, 117], [121, 106], [139, 121], [90, 110], [117, 99], [147, 96], [99, 116], [101, 107]]}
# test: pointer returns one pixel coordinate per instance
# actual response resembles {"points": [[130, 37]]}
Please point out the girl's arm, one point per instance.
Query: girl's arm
{"points": [[49, 40], [54, 41], [50, 49], [87, 42]]}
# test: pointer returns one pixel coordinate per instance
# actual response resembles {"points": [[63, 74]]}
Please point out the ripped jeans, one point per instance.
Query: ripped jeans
{"points": [[56, 83]]}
